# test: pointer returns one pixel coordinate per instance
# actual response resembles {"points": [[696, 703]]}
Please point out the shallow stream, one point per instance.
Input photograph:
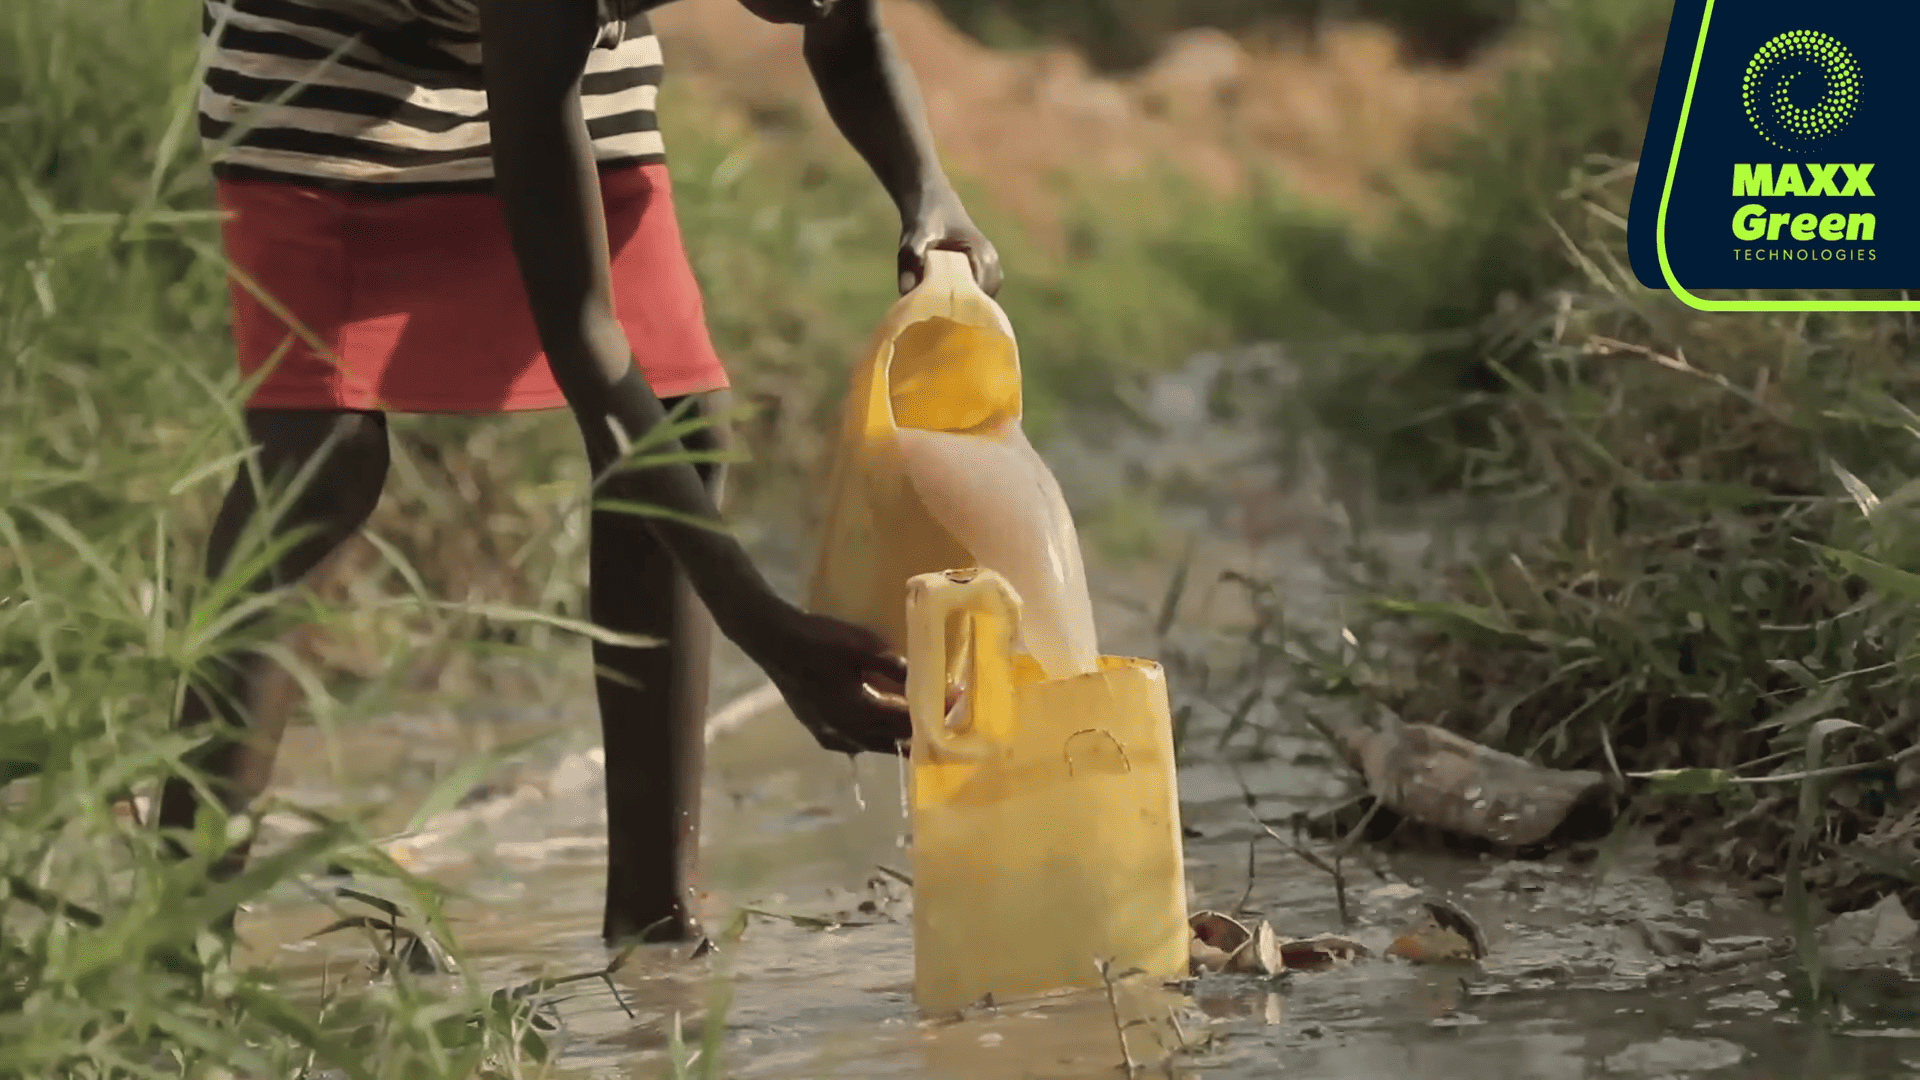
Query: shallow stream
{"points": [[1588, 975]]}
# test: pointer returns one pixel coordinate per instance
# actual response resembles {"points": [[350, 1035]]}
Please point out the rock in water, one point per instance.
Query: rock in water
{"points": [[1883, 934], [1432, 776]]}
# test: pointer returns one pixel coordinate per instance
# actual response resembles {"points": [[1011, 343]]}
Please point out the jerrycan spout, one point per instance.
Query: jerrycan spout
{"points": [[939, 437]]}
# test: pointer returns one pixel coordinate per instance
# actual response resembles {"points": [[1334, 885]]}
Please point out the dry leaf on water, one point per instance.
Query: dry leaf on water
{"points": [[1321, 952], [1441, 934], [1223, 943], [1261, 955]]}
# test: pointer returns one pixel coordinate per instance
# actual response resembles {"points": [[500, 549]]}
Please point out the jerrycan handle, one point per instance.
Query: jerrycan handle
{"points": [[932, 601], [948, 269]]}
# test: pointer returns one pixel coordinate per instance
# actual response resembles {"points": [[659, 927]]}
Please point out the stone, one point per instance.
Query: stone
{"points": [[1882, 935]]}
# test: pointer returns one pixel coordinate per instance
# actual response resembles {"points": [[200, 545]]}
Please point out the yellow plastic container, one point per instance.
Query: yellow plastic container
{"points": [[933, 471], [1045, 811]]}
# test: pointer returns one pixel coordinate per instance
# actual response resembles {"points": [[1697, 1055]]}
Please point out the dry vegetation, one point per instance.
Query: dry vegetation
{"points": [[1338, 118]]}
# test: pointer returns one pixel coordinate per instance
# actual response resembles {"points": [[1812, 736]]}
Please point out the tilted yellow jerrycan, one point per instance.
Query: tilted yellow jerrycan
{"points": [[933, 471], [1045, 812]]}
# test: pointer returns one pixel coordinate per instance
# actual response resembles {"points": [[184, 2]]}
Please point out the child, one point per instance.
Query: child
{"points": [[462, 206]]}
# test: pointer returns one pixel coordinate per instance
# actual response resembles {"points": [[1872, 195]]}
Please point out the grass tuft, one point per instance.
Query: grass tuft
{"points": [[1704, 564]]}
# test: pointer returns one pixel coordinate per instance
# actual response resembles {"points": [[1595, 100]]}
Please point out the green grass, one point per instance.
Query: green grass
{"points": [[1707, 554], [118, 430]]}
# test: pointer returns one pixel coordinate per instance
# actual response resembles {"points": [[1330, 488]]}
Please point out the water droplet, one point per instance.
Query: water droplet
{"points": [[853, 765], [900, 760]]}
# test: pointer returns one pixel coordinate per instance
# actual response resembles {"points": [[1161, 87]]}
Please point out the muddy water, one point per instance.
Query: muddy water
{"points": [[1621, 974], [1573, 986]]}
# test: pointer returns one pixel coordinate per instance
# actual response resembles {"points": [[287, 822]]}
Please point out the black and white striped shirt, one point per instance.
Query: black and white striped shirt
{"points": [[387, 96]]}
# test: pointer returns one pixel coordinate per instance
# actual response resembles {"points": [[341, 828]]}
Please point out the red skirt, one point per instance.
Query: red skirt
{"points": [[415, 304]]}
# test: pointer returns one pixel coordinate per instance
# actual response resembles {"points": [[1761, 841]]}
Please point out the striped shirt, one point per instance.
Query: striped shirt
{"points": [[387, 96]]}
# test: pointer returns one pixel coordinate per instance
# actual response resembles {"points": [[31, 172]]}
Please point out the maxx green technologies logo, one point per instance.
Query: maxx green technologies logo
{"points": [[1779, 171], [1780, 68]]}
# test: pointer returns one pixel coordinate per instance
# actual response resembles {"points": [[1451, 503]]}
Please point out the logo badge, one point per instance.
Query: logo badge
{"points": [[1777, 160]]}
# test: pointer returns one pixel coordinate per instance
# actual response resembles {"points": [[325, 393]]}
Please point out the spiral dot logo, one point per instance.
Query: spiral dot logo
{"points": [[1799, 64]]}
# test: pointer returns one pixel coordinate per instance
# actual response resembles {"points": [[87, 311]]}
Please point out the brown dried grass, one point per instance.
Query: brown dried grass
{"points": [[1342, 118]]}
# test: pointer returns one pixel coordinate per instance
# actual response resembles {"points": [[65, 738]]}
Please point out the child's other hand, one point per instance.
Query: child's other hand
{"points": [[944, 223]]}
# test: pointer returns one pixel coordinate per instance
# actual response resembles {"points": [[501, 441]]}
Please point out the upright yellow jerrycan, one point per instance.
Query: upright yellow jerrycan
{"points": [[1045, 812], [933, 471]]}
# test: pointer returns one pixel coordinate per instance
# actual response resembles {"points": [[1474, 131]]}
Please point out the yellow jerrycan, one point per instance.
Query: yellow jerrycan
{"points": [[1045, 811], [932, 471]]}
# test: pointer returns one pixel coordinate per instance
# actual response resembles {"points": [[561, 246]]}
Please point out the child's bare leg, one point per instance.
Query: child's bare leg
{"points": [[653, 706], [252, 692]]}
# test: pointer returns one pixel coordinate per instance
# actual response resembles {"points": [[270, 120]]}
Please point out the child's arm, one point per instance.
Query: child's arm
{"points": [[534, 52], [871, 94]]}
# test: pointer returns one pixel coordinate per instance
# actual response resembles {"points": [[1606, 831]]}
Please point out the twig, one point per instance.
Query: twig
{"points": [[1340, 888], [1313, 860], [1605, 346], [1318, 863], [1340, 892], [1253, 846], [1810, 774], [607, 977], [1606, 743], [1349, 844], [1332, 869], [1353, 834], [1105, 967], [1179, 1034]]}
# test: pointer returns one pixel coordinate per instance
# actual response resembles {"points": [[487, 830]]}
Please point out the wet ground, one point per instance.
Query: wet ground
{"points": [[1626, 975], [1588, 974]]}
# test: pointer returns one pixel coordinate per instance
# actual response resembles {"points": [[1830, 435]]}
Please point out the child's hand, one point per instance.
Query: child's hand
{"points": [[839, 679], [944, 223]]}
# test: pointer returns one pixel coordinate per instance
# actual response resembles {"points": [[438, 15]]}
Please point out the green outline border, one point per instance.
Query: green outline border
{"points": [[1660, 225]]}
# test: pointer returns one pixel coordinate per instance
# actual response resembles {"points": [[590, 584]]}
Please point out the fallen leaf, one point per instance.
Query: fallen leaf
{"points": [[1429, 942], [1260, 955], [1442, 934], [1321, 952], [1455, 918], [1204, 957], [1222, 932], [1223, 943], [1431, 946]]}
